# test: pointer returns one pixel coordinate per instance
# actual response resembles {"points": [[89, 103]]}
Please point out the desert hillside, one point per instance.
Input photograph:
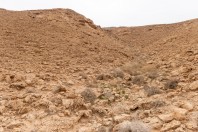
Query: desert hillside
{"points": [[168, 40], [59, 72], [57, 40]]}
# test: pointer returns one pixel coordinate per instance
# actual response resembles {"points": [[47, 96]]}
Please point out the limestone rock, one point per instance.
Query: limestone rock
{"points": [[67, 102], [194, 85], [169, 126], [120, 118], [166, 117], [179, 113]]}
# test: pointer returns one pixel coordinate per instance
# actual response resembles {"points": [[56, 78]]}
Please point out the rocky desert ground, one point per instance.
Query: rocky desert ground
{"points": [[59, 72]]}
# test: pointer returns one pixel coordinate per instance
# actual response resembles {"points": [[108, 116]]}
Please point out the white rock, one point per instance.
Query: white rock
{"points": [[2, 109], [85, 129], [192, 125], [187, 105], [169, 126], [67, 102], [166, 117], [14, 124], [1, 129], [179, 113], [194, 85], [154, 122], [120, 118]]}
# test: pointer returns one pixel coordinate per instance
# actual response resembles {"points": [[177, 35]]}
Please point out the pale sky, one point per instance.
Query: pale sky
{"points": [[117, 12]]}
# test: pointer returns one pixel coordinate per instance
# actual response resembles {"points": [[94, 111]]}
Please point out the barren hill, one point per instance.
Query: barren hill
{"points": [[57, 40], [161, 40]]}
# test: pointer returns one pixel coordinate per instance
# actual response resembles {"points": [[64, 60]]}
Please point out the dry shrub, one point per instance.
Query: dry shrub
{"points": [[150, 91], [103, 77], [118, 72], [132, 68], [89, 96], [139, 80], [153, 75], [171, 84], [149, 68]]}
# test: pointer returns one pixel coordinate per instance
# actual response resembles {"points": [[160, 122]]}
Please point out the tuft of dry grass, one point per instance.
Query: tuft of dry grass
{"points": [[150, 91], [88, 95], [171, 84], [139, 80]]}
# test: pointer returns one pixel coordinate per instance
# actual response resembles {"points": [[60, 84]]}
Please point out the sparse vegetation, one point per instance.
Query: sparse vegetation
{"points": [[88, 95], [153, 75], [139, 80], [151, 90], [171, 84], [118, 72]]}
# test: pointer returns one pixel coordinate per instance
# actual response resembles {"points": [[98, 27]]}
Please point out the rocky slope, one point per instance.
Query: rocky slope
{"points": [[57, 41], [60, 72]]}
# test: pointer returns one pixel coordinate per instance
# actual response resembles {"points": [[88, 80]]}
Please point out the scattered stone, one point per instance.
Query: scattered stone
{"points": [[14, 124], [187, 105], [70, 82], [86, 129], [155, 122], [192, 125], [58, 89], [166, 117], [2, 129], [2, 109], [102, 129], [83, 75], [179, 113], [18, 85], [194, 85], [170, 126], [134, 126], [67, 103], [121, 118], [151, 104]]}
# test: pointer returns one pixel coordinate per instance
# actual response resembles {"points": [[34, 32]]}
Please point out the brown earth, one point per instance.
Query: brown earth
{"points": [[61, 72]]}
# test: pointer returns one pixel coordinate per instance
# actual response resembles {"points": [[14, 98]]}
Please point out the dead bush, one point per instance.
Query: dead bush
{"points": [[139, 80], [88, 95], [171, 84], [118, 72], [150, 91], [132, 68]]}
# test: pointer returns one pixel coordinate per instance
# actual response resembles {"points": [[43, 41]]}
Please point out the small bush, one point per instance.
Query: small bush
{"points": [[132, 68], [153, 75], [151, 91], [134, 126], [103, 77], [88, 95], [139, 80], [171, 84], [118, 73]]}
